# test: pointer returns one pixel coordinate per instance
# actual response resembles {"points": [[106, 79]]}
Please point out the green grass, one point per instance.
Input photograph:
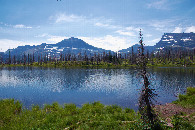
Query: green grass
{"points": [[95, 115], [68, 116], [187, 100]]}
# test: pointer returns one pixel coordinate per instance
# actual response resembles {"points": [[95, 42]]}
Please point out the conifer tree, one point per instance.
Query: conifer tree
{"points": [[9, 62], [147, 94]]}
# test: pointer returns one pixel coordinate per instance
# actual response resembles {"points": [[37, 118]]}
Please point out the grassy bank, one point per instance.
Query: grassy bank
{"points": [[187, 100], [187, 115]]}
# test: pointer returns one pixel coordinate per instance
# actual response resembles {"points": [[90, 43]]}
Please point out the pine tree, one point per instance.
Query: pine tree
{"points": [[9, 62], [147, 95]]}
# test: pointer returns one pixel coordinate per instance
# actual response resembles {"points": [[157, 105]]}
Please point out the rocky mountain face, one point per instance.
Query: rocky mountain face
{"points": [[186, 40], [169, 40]]}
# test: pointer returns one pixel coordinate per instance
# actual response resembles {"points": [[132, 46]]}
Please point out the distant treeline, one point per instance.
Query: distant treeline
{"points": [[164, 57]]}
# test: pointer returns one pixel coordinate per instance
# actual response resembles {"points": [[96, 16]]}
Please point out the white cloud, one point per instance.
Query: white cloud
{"points": [[21, 26], [55, 39], [5, 24], [96, 21], [158, 25], [120, 28], [177, 30], [152, 42], [10, 44], [165, 25], [51, 39], [101, 25], [148, 35], [133, 29], [127, 33], [42, 35], [106, 25], [108, 42], [190, 29], [63, 17], [159, 4]]}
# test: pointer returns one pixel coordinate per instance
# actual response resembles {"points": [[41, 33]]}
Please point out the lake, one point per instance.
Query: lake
{"points": [[33, 85]]}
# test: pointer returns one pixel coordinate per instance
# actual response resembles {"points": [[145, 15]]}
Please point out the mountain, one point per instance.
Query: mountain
{"points": [[66, 46], [75, 46], [186, 40], [76, 43], [168, 40]]}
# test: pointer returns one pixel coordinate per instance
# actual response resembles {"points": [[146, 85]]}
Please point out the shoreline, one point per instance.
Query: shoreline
{"points": [[100, 66]]}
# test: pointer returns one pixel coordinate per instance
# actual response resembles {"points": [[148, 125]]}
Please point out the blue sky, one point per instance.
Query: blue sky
{"points": [[108, 24]]}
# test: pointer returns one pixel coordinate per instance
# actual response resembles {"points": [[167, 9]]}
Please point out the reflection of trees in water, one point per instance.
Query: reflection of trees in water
{"points": [[172, 80]]}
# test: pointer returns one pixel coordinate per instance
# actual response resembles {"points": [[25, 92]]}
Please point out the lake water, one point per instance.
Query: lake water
{"points": [[109, 86]]}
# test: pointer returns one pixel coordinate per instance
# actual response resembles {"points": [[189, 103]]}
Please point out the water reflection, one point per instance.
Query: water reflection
{"points": [[109, 86]]}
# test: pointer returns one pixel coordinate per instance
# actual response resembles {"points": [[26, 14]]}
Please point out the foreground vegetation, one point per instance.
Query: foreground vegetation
{"points": [[95, 115], [188, 100], [89, 116], [186, 115]]}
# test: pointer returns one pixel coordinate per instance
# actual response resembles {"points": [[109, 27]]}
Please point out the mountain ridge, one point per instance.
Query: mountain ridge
{"points": [[76, 45], [168, 40], [71, 45]]}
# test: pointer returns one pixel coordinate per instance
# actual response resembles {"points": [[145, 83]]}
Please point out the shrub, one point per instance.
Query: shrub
{"points": [[191, 91]]}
